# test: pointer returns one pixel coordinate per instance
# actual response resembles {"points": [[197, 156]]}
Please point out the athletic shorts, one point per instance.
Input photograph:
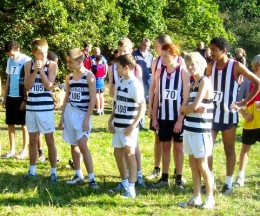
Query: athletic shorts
{"points": [[250, 137], [222, 127], [199, 145], [166, 133], [42, 121], [119, 140], [73, 125], [14, 116], [99, 91]]}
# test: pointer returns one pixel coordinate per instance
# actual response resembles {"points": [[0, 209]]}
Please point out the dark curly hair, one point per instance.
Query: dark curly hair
{"points": [[12, 45], [220, 42]]}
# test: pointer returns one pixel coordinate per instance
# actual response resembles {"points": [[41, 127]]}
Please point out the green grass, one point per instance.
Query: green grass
{"points": [[38, 197]]}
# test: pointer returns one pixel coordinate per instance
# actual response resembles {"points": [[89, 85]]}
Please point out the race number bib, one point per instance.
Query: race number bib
{"points": [[218, 96], [37, 88], [75, 96], [15, 69], [170, 94], [121, 108]]}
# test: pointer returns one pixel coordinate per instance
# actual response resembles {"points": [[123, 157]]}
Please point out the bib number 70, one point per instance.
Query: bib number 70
{"points": [[170, 94]]}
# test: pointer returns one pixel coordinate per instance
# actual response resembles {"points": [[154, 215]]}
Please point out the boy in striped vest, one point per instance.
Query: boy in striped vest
{"points": [[129, 107], [226, 76], [40, 75]]}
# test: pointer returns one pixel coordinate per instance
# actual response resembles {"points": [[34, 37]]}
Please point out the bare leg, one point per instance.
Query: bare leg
{"points": [[87, 158], [102, 102], [166, 156], [25, 138], [157, 151], [243, 157], [52, 152], [229, 147], [97, 102], [33, 140], [178, 157], [75, 152], [205, 172], [120, 160], [11, 134], [195, 175], [131, 161], [138, 158], [210, 158]]}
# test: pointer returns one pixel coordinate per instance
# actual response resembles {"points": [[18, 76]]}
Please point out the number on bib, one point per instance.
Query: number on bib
{"points": [[120, 108], [15, 69], [75, 96], [37, 88], [218, 96], [170, 94]]}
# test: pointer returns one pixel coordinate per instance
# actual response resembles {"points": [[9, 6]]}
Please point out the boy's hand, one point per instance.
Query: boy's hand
{"points": [[155, 124], [85, 126], [128, 131], [111, 127]]}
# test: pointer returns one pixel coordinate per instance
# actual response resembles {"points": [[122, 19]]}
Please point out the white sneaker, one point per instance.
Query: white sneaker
{"points": [[128, 193], [75, 180], [153, 175], [240, 181], [193, 202], [209, 204], [93, 184]]}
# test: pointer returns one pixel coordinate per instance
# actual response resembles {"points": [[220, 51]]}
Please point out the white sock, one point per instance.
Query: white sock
{"points": [[212, 175], [229, 180], [79, 173], [53, 171], [32, 170], [98, 110], [241, 173], [125, 183], [91, 177], [139, 174]]}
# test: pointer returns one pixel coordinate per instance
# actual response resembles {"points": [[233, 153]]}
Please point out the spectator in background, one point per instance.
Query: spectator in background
{"points": [[144, 58], [241, 56], [201, 48], [87, 58], [15, 97], [207, 55], [97, 52], [100, 71]]}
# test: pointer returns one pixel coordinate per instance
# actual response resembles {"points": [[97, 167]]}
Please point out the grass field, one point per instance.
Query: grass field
{"points": [[39, 197]]}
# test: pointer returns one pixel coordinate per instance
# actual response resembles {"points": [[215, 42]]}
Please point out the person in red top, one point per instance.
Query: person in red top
{"points": [[100, 72], [87, 58]]}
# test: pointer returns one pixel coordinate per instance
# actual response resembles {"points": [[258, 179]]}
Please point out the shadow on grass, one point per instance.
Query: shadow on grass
{"points": [[15, 190]]}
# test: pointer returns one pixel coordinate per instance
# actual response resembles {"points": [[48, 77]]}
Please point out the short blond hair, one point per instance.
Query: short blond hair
{"points": [[76, 54], [39, 43], [256, 62], [125, 41], [198, 58]]}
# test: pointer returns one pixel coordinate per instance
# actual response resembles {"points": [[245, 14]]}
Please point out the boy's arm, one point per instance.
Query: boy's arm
{"points": [[5, 91], [152, 88], [110, 80], [203, 89], [186, 88], [48, 82], [92, 94], [61, 126], [29, 78], [156, 101], [240, 69]]}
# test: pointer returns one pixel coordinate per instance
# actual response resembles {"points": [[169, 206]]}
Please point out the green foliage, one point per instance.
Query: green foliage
{"points": [[189, 22], [69, 23]]}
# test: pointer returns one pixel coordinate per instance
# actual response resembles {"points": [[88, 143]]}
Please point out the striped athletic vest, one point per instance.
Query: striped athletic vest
{"points": [[39, 99], [79, 92], [199, 122], [170, 94], [225, 93], [126, 108]]}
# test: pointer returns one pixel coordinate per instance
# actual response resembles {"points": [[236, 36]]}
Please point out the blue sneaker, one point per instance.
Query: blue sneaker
{"points": [[117, 189], [28, 175], [53, 178]]}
